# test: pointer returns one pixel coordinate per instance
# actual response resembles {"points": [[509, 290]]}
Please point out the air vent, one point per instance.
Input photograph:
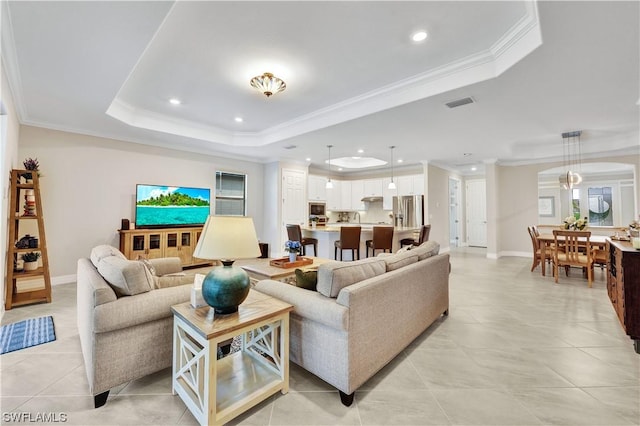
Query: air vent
{"points": [[460, 102], [290, 146]]}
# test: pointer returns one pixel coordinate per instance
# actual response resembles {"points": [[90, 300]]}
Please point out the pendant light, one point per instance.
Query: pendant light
{"points": [[571, 158], [392, 184], [329, 184]]}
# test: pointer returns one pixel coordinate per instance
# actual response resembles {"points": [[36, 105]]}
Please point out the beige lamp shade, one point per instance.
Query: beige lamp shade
{"points": [[227, 237]]}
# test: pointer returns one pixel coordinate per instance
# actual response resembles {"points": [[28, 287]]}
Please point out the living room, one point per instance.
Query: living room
{"points": [[89, 178]]}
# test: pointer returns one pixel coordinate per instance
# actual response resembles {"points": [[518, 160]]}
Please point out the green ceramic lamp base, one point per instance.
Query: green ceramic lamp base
{"points": [[225, 288]]}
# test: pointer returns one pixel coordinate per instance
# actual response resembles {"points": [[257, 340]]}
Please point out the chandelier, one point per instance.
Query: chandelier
{"points": [[571, 153], [268, 84]]}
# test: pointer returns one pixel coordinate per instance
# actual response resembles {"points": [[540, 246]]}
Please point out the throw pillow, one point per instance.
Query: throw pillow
{"points": [[427, 249], [400, 260], [148, 265], [334, 276], [102, 251], [126, 277], [306, 279]]}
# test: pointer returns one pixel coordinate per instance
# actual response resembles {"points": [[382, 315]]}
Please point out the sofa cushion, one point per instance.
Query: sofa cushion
{"points": [[334, 276], [172, 280], [399, 260], [426, 249], [126, 277], [100, 252], [306, 279]]}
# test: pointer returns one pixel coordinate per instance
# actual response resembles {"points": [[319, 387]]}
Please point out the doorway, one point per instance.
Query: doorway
{"points": [[454, 213], [476, 212]]}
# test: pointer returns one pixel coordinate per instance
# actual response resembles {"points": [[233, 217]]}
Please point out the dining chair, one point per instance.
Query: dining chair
{"points": [[537, 251], [600, 257], [349, 240], [382, 240], [576, 251], [295, 234], [424, 236]]}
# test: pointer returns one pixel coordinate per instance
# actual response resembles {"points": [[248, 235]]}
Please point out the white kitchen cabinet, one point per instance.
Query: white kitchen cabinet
{"points": [[334, 196], [373, 188], [418, 185], [345, 195], [316, 190], [410, 185], [357, 192]]}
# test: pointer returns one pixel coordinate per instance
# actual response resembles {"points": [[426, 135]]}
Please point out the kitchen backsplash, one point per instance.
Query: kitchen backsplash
{"points": [[373, 214]]}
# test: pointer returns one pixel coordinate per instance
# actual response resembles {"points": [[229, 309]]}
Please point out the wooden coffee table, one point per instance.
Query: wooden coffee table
{"points": [[259, 269], [216, 391]]}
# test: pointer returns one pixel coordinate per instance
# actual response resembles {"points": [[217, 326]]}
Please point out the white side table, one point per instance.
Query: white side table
{"points": [[216, 391]]}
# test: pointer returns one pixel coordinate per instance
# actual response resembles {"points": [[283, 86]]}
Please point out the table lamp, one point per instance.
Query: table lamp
{"points": [[226, 238]]}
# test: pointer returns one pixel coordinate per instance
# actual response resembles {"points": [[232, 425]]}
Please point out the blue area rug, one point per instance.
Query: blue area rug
{"points": [[26, 333]]}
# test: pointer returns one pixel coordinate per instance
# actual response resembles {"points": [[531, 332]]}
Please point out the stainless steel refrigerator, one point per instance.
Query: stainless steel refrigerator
{"points": [[408, 210]]}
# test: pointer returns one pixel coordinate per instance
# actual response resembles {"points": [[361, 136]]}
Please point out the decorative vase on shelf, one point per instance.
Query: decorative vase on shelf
{"points": [[292, 256], [30, 266]]}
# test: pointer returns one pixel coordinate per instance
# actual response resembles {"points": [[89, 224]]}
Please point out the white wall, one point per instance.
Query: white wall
{"points": [[518, 202], [437, 200], [9, 136], [88, 186]]}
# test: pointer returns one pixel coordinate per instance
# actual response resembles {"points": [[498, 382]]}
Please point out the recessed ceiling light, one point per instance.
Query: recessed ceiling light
{"points": [[238, 119], [474, 168], [340, 169], [399, 160], [308, 159], [360, 151], [174, 101], [419, 36]]}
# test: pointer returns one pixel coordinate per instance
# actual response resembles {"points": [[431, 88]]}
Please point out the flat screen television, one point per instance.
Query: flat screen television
{"points": [[171, 206]]}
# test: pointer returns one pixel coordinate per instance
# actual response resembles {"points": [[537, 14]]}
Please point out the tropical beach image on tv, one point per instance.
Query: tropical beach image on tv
{"points": [[168, 206]]}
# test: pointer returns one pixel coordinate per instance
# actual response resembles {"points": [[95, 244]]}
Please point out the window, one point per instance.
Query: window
{"points": [[575, 203], [231, 194], [600, 206]]}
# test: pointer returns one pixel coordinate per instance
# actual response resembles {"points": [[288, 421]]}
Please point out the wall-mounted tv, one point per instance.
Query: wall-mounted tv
{"points": [[171, 206]]}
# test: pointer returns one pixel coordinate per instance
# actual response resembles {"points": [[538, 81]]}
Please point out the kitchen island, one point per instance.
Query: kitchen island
{"points": [[326, 235]]}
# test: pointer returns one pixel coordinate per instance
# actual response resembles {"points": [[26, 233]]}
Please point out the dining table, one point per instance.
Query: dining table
{"points": [[545, 241]]}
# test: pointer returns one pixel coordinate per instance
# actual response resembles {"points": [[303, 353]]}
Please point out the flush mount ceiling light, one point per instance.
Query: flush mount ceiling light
{"points": [[174, 101], [268, 84], [571, 157], [392, 184]]}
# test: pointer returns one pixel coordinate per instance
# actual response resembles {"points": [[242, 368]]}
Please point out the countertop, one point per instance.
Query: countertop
{"points": [[365, 227]]}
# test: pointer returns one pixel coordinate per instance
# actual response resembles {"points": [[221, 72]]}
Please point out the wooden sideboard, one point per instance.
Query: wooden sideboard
{"points": [[623, 286], [165, 242]]}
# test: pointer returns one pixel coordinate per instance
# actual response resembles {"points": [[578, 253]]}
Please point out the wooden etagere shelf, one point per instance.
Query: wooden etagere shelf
{"points": [[23, 194]]}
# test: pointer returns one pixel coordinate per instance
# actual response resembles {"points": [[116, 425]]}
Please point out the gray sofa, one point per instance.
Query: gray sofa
{"points": [[363, 313], [124, 316]]}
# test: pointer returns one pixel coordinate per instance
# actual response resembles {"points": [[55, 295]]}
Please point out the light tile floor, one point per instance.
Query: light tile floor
{"points": [[516, 349]]}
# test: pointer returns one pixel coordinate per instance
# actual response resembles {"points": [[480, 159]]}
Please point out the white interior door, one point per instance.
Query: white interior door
{"points": [[477, 212], [454, 213], [294, 208]]}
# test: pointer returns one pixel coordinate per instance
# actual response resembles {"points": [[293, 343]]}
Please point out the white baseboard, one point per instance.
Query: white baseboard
{"points": [[516, 254], [63, 279]]}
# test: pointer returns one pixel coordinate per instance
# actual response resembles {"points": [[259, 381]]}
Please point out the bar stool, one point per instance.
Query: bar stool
{"points": [[349, 240], [382, 240], [295, 234], [424, 236]]}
